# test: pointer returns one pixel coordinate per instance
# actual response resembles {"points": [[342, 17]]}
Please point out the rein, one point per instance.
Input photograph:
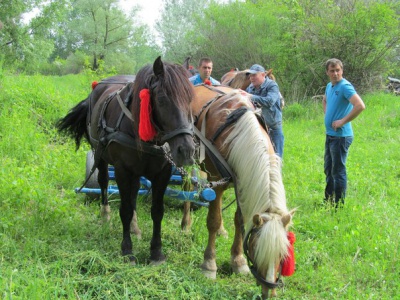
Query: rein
{"points": [[253, 267]]}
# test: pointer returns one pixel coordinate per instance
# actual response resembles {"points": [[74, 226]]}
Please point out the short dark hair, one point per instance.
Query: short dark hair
{"points": [[204, 59], [333, 62]]}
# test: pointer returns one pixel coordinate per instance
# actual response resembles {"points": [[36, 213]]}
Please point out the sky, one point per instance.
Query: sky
{"points": [[150, 9]]}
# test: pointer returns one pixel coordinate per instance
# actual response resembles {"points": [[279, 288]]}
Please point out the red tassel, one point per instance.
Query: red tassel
{"points": [[208, 82], [147, 132], [94, 84], [289, 263]]}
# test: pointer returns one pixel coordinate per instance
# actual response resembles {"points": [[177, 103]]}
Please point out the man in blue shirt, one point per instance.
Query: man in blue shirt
{"points": [[341, 104], [265, 93], [204, 75]]}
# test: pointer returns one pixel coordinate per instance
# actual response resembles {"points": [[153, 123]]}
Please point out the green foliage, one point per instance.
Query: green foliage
{"points": [[54, 245], [294, 38], [361, 34]]}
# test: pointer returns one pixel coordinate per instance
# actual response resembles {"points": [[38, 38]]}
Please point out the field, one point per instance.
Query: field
{"points": [[53, 244]]}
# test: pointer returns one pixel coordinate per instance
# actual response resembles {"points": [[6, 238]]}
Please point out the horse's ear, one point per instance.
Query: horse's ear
{"points": [[158, 67], [286, 219], [257, 220], [270, 75], [185, 64]]}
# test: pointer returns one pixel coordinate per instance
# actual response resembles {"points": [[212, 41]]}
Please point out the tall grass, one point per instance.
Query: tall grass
{"points": [[53, 244]]}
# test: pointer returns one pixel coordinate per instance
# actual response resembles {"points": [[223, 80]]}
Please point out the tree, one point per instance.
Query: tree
{"points": [[22, 43], [361, 33], [177, 28], [296, 37]]}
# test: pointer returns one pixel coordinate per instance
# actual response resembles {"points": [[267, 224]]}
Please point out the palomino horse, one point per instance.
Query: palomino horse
{"points": [[238, 80], [240, 143], [241, 80], [128, 120]]}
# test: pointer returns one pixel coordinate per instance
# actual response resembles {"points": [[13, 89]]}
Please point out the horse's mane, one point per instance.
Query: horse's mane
{"points": [[260, 179], [259, 185], [174, 83], [272, 240]]}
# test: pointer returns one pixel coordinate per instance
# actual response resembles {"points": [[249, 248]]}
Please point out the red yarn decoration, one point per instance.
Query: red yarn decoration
{"points": [[208, 82], [289, 262], [94, 84], [147, 132]]}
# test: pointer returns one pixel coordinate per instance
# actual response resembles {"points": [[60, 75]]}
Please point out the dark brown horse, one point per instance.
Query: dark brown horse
{"points": [[229, 122], [140, 125]]}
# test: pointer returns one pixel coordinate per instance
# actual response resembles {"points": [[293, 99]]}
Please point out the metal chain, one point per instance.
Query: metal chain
{"points": [[181, 170]]}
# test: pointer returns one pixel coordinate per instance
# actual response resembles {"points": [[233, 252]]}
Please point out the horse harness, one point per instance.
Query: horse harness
{"points": [[220, 163], [253, 267], [114, 134]]}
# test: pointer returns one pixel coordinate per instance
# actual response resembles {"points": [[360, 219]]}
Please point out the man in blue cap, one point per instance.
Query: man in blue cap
{"points": [[265, 93]]}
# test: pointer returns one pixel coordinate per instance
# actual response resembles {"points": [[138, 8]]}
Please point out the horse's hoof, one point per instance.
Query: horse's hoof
{"points": [[209, 268], [242, 270], [157, 262], [106, 213], [209, 274], [130, 259]]}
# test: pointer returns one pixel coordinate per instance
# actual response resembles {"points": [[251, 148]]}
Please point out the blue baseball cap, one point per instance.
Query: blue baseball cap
{"points": [[256, 69]]}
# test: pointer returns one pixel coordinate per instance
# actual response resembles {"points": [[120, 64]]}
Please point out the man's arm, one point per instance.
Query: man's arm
{"points": [[358, 107], [269, 96]]}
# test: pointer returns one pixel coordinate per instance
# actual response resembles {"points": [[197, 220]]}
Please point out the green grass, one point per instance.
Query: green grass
{"points": [[53, 244]]}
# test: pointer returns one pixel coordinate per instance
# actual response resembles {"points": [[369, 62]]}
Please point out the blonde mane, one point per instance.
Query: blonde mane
{"points": [[259, 186]]}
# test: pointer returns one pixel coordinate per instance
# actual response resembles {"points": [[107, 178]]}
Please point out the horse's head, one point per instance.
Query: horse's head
{"points": [[164, 93], [236, 79], [266, 246]]}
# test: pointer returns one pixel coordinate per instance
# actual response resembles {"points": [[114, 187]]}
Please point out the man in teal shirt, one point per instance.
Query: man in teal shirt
{"points": [[341, 104], [204, 76]]}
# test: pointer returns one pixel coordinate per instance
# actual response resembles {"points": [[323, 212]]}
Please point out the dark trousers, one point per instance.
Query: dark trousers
{"points": [[336, 151]]}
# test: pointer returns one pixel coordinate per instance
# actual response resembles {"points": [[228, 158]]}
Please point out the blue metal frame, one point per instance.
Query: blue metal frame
{"points": [[203, 198]]}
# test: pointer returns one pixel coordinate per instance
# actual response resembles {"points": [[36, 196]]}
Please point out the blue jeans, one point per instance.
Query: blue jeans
{"points": [[336, 151], [277, 139]]}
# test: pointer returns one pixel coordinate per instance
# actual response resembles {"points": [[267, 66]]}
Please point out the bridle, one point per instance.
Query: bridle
{"points": [[253, 266], [165, 136]]}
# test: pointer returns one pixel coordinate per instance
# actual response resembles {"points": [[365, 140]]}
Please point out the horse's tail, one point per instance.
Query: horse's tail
{"points": [[74, 123]]}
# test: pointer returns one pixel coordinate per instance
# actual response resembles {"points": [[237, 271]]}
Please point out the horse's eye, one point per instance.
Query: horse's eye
{"points": [[162, 99]]}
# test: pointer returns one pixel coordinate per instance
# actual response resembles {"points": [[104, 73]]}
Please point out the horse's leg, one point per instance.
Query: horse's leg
{"points": [[134, 225], [238, 261], [128, 189], [186, 220], [221, 230], [214, 219], [158, 186], [103, 179]]}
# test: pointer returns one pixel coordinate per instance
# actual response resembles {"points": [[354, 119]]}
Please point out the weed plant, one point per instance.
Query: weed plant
{"points": [[53, 244]]}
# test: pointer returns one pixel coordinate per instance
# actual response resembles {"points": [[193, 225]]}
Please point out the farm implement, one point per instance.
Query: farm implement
{"points": [[201, 195]]}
